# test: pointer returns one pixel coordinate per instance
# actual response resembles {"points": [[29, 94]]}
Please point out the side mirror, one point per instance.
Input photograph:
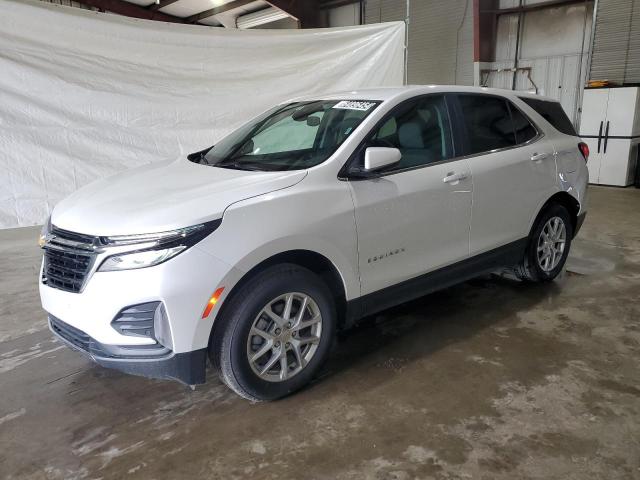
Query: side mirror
{"points": [[376, 158]]}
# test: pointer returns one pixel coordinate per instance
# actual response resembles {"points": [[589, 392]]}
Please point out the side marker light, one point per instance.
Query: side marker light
{"points": [[212, 302]]}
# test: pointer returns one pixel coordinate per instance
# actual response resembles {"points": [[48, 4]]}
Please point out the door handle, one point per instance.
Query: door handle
{"points": [[600, 136], [606, 137], [454, 177], [536, 157]]}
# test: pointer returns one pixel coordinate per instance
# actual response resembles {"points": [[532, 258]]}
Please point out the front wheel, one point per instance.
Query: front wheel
{"points": [[549, 245], [276, 333]]}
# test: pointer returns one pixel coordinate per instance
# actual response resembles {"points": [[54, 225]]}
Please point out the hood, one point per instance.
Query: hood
{"points": [[162, 196]]}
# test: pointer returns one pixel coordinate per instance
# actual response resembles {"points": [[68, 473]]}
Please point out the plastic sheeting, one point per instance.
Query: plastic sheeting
{"points": [[86, 94]]}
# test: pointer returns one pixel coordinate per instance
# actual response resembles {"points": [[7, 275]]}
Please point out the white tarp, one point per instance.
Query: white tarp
{"points": [[85, 94]]}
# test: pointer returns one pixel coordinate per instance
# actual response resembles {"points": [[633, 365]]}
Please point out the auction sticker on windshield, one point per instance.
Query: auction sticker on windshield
{"points": [[354, 105]]}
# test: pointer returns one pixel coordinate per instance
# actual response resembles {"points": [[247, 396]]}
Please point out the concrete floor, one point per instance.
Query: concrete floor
{"points": [[492, 379]]}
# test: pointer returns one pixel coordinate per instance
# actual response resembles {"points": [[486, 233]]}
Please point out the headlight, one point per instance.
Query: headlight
{"points": [[151, 249], [46, 229], [147, 258]]}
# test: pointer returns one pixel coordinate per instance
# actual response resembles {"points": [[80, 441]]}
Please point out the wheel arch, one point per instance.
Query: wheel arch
{"points": [[566, 200], [311, 260]]}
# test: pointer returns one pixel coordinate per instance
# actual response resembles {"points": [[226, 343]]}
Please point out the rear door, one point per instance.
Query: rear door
{"points": [[565, 139], [415, 216], [512, 165]]}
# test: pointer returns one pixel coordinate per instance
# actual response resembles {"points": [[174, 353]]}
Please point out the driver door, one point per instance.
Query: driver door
{"points": [[414, 217]]}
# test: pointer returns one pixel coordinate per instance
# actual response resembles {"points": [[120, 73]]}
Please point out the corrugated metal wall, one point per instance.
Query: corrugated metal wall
{"points": [[516, 3], [344, 16], [70, 3], [554, 42], [440, 37], [376, 11], [616, 45]]}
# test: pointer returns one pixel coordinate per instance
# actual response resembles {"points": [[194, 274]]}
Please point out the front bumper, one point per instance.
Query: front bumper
{"points": [[154, 361], [579, 222], [183, 284], [86, 320]]}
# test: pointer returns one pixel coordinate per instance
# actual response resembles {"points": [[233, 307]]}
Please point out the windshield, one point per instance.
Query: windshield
{"points": [[289, 137]]}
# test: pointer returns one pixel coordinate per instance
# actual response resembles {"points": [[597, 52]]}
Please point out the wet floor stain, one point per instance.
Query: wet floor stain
{"points": [[492, 379]]}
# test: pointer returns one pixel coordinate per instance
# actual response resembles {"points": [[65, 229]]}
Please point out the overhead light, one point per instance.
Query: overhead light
{"points": [[260, 17]]}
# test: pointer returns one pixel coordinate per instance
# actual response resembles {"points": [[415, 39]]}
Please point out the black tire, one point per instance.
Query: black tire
{"points": [[530, 268], [228, 348]]}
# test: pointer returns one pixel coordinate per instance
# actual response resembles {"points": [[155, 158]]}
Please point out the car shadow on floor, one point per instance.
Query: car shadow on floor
{"points": [[406, 333], [419, 328]]}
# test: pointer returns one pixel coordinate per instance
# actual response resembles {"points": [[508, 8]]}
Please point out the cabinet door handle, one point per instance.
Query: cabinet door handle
{"points": [[600, 136], [606, 137]]}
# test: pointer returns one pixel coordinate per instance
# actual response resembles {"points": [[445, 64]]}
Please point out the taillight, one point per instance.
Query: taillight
{"points": [[584, 150]]}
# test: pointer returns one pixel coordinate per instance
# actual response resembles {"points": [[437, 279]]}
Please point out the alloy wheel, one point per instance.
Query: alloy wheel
{"points": [[284, 337], [551, 244]]}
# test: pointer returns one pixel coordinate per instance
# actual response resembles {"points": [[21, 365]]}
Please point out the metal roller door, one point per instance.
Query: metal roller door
{"points": [[440, 37], [616, 42]]}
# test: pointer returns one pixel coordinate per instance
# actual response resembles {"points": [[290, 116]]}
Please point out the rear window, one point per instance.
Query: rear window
{"points": [[553, 113]]}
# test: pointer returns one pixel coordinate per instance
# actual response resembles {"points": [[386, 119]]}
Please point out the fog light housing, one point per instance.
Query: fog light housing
{"points": [[146, 320], [162, 328]]}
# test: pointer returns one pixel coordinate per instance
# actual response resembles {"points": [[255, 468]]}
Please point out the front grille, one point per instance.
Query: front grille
{"points": [[66, 270], [84, 342], [78, 338], [72, 335], [79, 238], [68, 258]]}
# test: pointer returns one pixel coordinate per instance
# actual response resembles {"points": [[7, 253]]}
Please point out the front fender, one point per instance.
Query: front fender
{"points": [[314, 217]]}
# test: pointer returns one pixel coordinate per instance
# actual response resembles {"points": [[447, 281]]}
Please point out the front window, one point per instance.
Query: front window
{"points": [[289, 137], [420, 129]]}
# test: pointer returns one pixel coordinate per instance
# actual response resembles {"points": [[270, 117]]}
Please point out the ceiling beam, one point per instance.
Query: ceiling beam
{"points": [[305, 11], [215, 11], [130, 10], [161, 4]]}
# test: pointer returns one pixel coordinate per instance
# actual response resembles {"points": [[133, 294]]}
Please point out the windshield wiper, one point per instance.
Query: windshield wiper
{"points": [[236, 165]]}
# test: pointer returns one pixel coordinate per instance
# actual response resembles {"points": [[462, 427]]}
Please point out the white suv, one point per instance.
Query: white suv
{"points": [[253, 252]]}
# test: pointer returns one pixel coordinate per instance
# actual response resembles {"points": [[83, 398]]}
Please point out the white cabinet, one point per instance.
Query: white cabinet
{"points": [[610, 124]]}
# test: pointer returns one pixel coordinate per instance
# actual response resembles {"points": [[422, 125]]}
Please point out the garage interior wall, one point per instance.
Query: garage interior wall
{"points": [[440, 43], [344, 16], [554, 42], [616, 43]]}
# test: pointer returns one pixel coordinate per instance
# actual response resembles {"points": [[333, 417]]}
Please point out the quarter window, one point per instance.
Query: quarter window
{"points": [[420, 130], [553, 113]]}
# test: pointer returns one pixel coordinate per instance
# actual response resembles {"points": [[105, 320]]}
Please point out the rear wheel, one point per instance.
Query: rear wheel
{"points": [[276, 333], [549, 245]]}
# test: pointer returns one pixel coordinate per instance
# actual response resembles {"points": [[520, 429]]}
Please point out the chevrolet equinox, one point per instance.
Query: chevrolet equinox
{"points": [[252, 253]]}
